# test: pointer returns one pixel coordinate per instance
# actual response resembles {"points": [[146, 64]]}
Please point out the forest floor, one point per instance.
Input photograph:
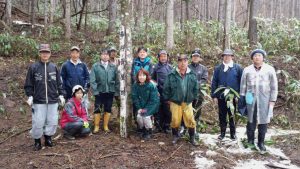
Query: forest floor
{"points": [[112, 151]]}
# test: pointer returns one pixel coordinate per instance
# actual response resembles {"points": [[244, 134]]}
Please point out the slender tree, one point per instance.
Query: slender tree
{"points": [[226, 44], [68, 19], [125, 66], [8, 7], [170, 25], [252, 32], [112, 15]]}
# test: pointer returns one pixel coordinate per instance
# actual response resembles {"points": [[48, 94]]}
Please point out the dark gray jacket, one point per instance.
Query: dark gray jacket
{"points": [[160, 73], [200, 71]]}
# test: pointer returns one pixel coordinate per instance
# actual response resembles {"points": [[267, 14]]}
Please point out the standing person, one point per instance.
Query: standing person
{"points": [[145, 99], [180, 89], [44, 89], [75, 72], [105, 85], [226, 74], [202, 75], [259, 89], [142, 61], [113, 56], [160, 72], [74, 121]]}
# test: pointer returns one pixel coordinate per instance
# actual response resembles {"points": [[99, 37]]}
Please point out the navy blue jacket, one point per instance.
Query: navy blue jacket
{"points": [[74, 75], [160, 74], [231, 78]]}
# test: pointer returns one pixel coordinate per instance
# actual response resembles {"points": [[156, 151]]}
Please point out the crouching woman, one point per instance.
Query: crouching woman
{"points": [[146, 100], [74, 121]]}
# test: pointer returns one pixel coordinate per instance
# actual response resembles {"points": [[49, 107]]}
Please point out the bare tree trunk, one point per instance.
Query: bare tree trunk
{"points": [[248, 14], [181, 15], [187, 10], [8, 7], [86, 14], [81, 14], [46, 14], [233, 11], [207, 11], [112, 15], [226, 44], [125, 67], [170, 25], [32, 12], [68, 19], [252, 32], [220, 19], [52, 10]]}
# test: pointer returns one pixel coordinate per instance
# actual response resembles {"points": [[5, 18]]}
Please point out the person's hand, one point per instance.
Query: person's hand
{"points": [[62, 100], [215, 100], [271, 104], [86, 124], [30, 101]]}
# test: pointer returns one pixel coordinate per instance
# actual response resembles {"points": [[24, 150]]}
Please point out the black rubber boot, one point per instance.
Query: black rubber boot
{"points": [[250, 133], [175, 135], [222, 135], [262, 129], [232, 134], [192, 137], [48, 141], [37, 144], [147, 134]]}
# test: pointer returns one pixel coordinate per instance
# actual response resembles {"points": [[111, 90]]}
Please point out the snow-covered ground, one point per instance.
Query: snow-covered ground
{"points": [[236, 147]]}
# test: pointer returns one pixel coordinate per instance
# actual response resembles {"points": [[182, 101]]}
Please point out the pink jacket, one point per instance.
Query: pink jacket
{"points": [[74, 111]]}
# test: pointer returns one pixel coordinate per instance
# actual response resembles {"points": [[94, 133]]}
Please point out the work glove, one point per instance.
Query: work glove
{"points": [[62, 100], [30, 101], [86, 124]]}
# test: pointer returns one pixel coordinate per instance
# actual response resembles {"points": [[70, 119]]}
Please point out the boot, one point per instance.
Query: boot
{"points": [[232, 134], [250, 134], [105, 122], [262, 128], [222, 135], [175, 135], [192, 137], [48, 141], [97, 117], [147, 134], [37, 144]]}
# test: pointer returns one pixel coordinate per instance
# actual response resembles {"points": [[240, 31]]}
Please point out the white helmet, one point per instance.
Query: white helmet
{"points": [[77, 87]]}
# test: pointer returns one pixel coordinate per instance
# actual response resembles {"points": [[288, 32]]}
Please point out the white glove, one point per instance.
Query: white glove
{"points": [[30, 101], [62, 100]]}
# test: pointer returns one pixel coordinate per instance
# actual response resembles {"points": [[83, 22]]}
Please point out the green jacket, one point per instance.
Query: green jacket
{"points": [[178, 89], [104, 80], [145, 97]]}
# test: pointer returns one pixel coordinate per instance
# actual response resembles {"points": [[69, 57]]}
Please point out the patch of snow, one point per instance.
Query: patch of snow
{"points": [[251, 164], [202, 162], [210, 153]]}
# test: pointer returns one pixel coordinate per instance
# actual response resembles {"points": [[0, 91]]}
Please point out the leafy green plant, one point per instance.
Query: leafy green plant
{"points": [[55, 32]]}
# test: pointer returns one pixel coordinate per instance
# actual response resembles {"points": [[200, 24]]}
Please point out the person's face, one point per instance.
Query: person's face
{"points": [[142, 54], [45, 56], [196, 59], [227, 58], [163, 58], [104, 57], [182, 64], [79, 95], [113, 54], [258, 59], [142, 77], [75, 55]]}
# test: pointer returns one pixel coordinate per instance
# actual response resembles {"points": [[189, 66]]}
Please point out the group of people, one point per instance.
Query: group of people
{"points": [[163, 96]]}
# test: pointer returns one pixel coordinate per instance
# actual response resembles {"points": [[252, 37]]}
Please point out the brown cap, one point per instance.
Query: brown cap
{"points": [[44, 48]]}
